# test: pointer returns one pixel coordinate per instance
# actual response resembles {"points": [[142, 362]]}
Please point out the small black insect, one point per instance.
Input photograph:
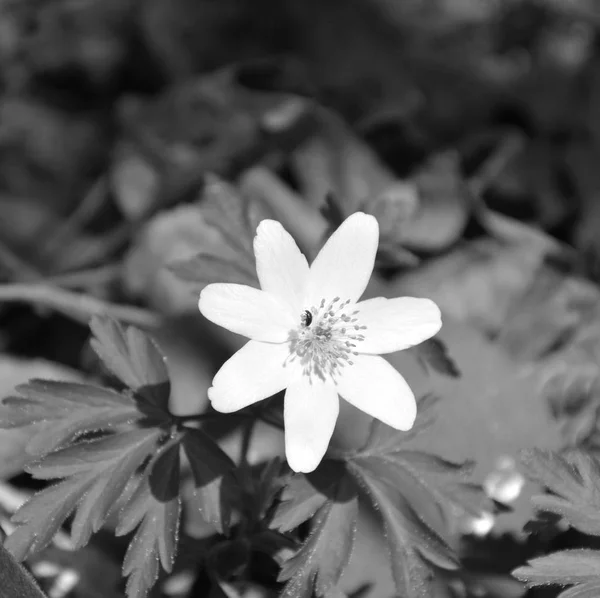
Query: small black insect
{"points": [[306, 318]]}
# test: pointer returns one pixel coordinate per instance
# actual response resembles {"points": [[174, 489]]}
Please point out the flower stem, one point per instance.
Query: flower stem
{"points": [[247, 431]]}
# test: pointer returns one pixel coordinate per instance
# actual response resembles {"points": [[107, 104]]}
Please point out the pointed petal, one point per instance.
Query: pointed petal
{"points": [[396, 324], [251, 312], [374, 386], [257, 371], [310, 411], [345, 263], [281, 267]]}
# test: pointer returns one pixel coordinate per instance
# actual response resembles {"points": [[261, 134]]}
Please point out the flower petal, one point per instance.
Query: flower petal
{"points": [[281, 267], [257, 371], [254, 313], [396, 324], [345, 263], [310, 411], [374, 386]]}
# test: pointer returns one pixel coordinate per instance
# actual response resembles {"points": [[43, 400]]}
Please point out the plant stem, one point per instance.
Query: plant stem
{"points": [[247, 431], [78, 306]]}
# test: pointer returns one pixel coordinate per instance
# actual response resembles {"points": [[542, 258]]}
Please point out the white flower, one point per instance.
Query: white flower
{"points": [[309, 335]]}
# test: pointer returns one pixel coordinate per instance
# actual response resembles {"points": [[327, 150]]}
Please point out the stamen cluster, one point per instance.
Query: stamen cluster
{"points": [[326, 338]]}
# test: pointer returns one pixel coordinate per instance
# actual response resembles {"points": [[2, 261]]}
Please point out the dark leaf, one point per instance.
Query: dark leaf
{"points": [[154, 508], [258, 487], [15, 580], [278, 546], [319, 564], [304, 495], [574, 481], [433, 354], [133, 357], [210, 468], [65, 410], [95, 473], [229, 559]]}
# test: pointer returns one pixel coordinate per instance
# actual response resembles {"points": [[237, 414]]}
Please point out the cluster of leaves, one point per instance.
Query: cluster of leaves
{"points": [[414, 493], [115, 453], [573, 482]]}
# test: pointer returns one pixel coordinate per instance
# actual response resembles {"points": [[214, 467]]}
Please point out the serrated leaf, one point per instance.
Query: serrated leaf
{"points": [[210, 468], [567, 567], [134, 358], [321, 560], [411, 543], [96, 474], [304, 495], [384, 439], [393, 505], [574, 480], [225, 211], [433, 354], [154, 508], [15, 580], [430, 482], [66, 410], [204, 268]]}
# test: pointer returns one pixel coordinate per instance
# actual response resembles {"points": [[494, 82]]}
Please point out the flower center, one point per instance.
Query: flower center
{"points": [[327, 337]]}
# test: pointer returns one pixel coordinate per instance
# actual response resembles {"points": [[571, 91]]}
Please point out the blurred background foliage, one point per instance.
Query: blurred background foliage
{"points": [[142, 140]]}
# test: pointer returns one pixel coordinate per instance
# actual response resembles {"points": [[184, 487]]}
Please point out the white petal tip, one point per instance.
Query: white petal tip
{"points": [[306, 465], [218, 402], [202, 301], [206, 300], [364, 217], [266, 226], [405, 420]]}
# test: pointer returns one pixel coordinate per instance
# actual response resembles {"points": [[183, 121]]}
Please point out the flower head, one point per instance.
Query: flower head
{"points": [[309, 334]]}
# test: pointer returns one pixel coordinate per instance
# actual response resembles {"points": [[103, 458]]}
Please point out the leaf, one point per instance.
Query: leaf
{"points": [[411, 491], [95, 473], [210, 466], [154, 509], [568, 567], [411, 544], [321, 560], [431, 482], [131, 467], [433, 354], [383, 439], [15, 580], [134, 358], [491, 412], [204, 268], [257, 489], [574, 480], [66, 410], [13, 442], [233, 218], [303, 496]]}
